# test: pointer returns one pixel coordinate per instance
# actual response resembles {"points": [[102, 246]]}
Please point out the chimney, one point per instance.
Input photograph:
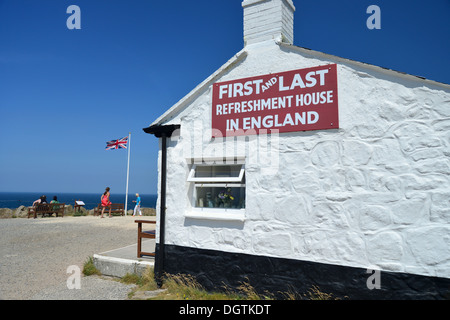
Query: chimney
{"points": [[268, 19]]}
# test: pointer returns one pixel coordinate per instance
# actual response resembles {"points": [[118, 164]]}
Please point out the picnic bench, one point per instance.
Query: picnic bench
{"points": [[115, 208], [46, 208], [150, 234]]}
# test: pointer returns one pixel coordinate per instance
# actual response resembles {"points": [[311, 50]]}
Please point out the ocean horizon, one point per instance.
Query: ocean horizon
{"points": [[14, 200]]}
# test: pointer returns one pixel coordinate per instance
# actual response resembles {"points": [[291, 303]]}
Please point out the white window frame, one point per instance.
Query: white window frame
{"points": [[220, 214], [192, 178]]}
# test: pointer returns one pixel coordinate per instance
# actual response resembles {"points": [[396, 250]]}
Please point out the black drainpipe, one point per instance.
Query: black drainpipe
{"points": [[162, 132]]}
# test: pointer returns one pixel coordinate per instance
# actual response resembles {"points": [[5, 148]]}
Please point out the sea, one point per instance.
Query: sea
{"points": [[14, 200]]}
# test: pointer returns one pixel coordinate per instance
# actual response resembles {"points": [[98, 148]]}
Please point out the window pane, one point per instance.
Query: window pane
{"points": [[220, 197], [217, 171]]}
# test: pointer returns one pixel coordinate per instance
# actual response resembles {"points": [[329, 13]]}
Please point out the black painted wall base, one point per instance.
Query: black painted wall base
{"points": [[216, 269]]}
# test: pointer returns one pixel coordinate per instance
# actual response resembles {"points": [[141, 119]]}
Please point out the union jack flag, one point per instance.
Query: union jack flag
{"points": [[117, 144]]}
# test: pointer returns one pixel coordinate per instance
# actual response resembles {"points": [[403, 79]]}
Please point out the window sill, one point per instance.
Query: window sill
{"points": [[217, 214]]}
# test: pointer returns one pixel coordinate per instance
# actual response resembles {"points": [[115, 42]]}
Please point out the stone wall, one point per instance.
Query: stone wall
{"points": [[373, 193]]}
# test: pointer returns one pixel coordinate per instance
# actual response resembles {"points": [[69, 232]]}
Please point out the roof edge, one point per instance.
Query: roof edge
{"points": [[363, 64], [169, 114], [166, 116]]}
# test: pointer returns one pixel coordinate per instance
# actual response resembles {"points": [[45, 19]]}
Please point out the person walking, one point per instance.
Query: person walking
{"points": [[105, 201], [138, 205]]}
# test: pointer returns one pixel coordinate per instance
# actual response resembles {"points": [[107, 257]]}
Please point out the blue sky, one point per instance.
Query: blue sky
{"points": [[64, 93]]}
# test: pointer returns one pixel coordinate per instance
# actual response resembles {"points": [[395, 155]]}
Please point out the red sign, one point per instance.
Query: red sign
{"points": [[297, 100]]}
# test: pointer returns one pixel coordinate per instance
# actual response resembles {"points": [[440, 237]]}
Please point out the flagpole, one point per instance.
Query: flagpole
{"points": [[128, 172]]}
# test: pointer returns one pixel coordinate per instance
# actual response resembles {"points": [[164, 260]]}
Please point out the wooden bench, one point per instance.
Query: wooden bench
{"points": [[115, 208], [47, 208], [150, 234]]}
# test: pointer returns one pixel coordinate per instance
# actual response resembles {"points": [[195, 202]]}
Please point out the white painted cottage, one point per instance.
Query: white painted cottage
{"points": [[292, 168]]}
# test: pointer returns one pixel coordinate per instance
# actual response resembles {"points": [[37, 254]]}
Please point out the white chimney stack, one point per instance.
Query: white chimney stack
{"points": [[268, 19]]}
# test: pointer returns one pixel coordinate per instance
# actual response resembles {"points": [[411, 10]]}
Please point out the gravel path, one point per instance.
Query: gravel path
{"points": [[35, 255]]}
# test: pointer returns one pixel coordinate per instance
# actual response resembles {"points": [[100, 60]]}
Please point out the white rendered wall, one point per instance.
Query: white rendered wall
{"points": [[374, 193]]}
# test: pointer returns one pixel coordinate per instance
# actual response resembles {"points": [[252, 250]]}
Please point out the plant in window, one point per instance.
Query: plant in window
{"points": [[226, 197]]}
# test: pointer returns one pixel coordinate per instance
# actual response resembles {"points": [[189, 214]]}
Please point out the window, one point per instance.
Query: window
{"points": [[216, 173], [218, 191]]}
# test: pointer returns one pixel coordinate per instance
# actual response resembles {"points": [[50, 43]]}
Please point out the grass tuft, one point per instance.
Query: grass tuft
{"points": [[89, 268], [186, 287]]}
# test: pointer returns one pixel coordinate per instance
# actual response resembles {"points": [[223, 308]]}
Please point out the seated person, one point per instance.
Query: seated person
{"points": [[42, 199], [55, 200]]}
